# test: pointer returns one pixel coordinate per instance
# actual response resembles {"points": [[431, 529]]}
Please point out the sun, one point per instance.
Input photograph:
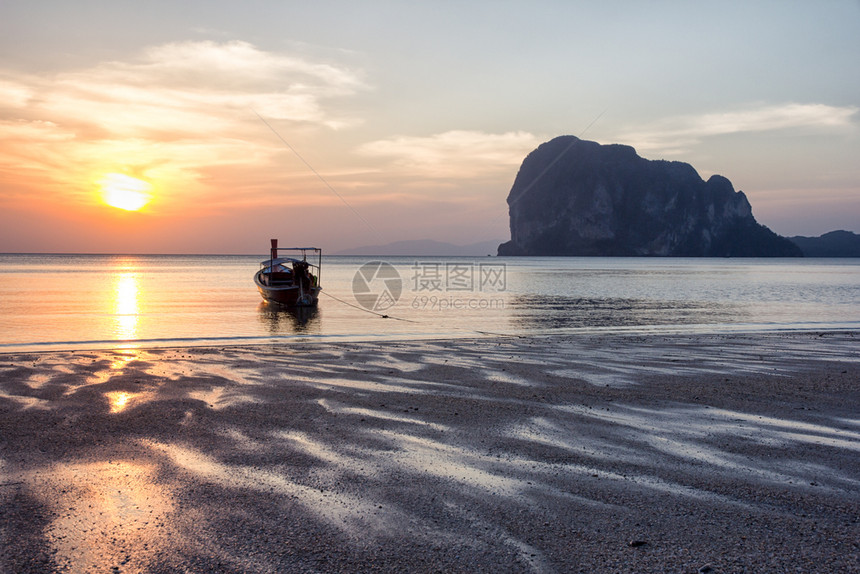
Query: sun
{"points": [[125, 192]]}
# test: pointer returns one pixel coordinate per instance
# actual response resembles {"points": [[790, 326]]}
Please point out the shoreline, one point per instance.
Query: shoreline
{"points": [[613, 452], [461, 334]]}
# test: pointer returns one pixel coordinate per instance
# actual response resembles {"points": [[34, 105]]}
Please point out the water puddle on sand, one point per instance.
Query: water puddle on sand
{"points": [[108, 515], [27, 402], [353, 461], [119, 360], [496, 376], [755, 443], [38, 380], [428, 457], [344, 511], [242, 441], [784, 430], [119, 401], [333, 407], [220, 398]]}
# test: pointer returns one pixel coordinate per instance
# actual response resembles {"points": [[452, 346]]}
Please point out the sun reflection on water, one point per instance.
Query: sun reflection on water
{"points": [[118, 400], [126, 294], [112, 512], [122, 358]]}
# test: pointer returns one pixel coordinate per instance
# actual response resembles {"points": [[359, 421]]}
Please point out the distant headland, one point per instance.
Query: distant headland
{"points": [[577, 197], [839, 243]]}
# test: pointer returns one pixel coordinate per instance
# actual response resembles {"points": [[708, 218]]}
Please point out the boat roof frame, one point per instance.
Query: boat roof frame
{"points": [[270, 263]]}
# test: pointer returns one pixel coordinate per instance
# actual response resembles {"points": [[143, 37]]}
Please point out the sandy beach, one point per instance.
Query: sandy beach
{"points": [[612, 453]]}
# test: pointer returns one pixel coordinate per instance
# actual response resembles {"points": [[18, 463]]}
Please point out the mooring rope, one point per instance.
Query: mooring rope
{"points": [[385, 316], [366, 310], [320, 177]]}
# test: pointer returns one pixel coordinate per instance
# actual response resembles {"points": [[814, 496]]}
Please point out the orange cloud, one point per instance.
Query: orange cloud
{"points": [[171, 116]]}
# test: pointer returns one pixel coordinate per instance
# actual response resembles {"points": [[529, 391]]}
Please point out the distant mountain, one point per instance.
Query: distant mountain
{"points": [[577, 197], [834, 244], [425, 248]]}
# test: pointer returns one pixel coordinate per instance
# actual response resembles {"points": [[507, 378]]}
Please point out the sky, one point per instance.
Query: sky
{"points": [[342, 124]]}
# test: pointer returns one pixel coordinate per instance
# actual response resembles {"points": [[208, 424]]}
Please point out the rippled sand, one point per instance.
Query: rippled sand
{"points": [[615, 453]]}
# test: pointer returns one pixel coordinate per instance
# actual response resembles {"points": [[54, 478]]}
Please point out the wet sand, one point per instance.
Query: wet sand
{"points": [[616, 453]]}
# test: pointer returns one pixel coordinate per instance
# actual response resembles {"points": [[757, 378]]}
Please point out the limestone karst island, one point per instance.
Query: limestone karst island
{"points": [[577, 197]]}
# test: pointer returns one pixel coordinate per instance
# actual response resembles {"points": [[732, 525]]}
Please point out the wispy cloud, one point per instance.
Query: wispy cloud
{"points": [[680, 133], [456, 153], [172, 85], [175, 111]]}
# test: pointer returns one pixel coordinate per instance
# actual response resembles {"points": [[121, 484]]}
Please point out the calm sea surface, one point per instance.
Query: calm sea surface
{"points": [[98, 301]]}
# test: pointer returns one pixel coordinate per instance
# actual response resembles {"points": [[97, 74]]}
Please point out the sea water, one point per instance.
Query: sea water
{"points": [[105, 301]]}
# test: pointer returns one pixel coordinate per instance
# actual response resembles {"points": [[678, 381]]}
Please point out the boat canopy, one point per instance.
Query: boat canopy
{"points": [[279, 261]]}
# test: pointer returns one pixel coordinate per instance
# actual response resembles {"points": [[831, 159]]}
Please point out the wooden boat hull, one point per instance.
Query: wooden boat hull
{"points": [[287, 295]]}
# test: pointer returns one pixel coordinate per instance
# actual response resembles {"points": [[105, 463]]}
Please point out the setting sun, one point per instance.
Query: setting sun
{"points": [[125, 192]]}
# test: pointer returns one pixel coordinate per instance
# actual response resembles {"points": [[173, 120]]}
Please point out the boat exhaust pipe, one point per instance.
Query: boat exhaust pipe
{"points": [[274, 254]]}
